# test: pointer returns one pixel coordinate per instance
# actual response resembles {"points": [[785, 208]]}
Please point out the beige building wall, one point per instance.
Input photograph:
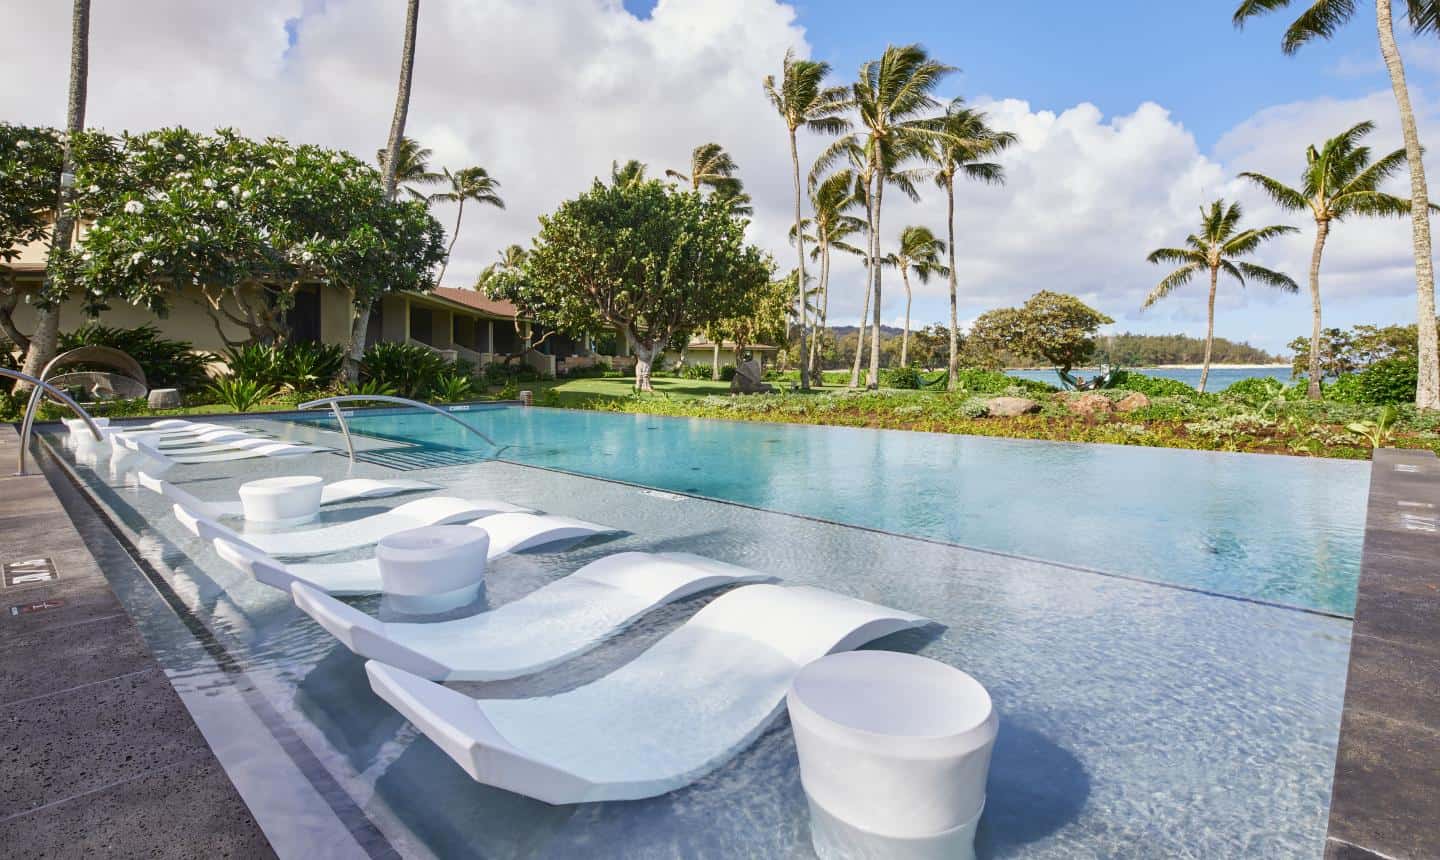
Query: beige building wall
{"points": [[187, 320]]}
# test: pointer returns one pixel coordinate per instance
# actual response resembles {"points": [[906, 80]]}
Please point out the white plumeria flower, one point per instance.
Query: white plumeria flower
{"points": [[208, 183], [247, 195], [136, 257], [92, 189], [156, 143], [221, 204], [180, 157], [134, 207], [22, 144], [86, 256]]}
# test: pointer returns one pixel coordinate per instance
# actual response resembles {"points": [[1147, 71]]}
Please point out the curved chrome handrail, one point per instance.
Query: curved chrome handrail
{"points": [[27, 424], [334, 404]]}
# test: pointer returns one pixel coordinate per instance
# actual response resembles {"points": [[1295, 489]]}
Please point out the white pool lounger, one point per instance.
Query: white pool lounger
{"points": [[676, 712], [434, 511], [345, 490], [545, 627], [509, 533], [238, 450]]}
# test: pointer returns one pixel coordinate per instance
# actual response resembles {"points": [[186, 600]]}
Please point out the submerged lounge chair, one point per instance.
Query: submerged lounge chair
{"points": [[239, 450], [509, 533], [434, 511], [345, 490], [673, 714], [545, 627]]}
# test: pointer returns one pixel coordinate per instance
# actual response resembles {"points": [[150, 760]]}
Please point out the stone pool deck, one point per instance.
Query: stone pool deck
{"points": [[1385, 802], [100, 757]]}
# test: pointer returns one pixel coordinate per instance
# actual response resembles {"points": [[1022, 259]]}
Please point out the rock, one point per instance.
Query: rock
{"points": [[164, 398], [1132, 401], [1091, 404], [1009, 407]]}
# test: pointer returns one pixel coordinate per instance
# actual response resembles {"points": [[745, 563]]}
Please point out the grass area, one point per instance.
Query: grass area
{"points": [[588, 393]]}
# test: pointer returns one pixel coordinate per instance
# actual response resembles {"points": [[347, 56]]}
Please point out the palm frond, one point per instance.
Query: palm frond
{"points": [[1320, 21], [1246, 242], [1372, 204], [1269, 277], [1283, 195], [1175, 279]]}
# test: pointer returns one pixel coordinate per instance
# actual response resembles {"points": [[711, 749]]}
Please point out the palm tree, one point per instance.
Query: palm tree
{"points": [[962, 155], [919, 253], [470, 183], [629, 174], [830, 200], [710, 167], [1320, 21], [44, 341], [803, 101], [1339, 180], [390, 166], [1218, 248], [894, 98], [412, 166], [511, 258]]}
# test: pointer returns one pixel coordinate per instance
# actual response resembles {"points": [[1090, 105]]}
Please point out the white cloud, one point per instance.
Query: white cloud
{"points": [[546, 95]]}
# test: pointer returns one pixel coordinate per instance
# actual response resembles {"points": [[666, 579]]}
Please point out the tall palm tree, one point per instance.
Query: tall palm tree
{"points": [[919, 254], [1338, 180], [962, 155], [469, 183], [412, 166], [895, 101], [511, 258], [831, 200], [390, 164], [629, 174], [1218, 248], [46, 338], [1320, 21], [710, 167], [803, 101]]}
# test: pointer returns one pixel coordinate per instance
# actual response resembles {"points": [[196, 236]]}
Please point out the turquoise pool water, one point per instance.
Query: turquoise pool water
{"points": [[1279, 529]]}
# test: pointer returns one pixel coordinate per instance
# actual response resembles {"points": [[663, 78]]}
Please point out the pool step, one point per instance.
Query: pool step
{"points": [[411, 459]]}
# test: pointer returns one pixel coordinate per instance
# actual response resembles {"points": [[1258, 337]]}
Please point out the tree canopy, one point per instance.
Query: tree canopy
{"points": [[652, 262], [246, 221], [1054, 327], [29, 184]]}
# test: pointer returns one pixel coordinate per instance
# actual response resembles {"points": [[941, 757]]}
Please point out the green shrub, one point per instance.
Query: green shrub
{"points": [[593, 371], [1389, 381], [1345, 389], [452, 388], [412, 371], [907, 378], [974, 407], [981, 381], [1152, 386], [696, 371], [370, 387], [239, 394], [167, 363], [292, 366], [727, 373], [1255, 392]]}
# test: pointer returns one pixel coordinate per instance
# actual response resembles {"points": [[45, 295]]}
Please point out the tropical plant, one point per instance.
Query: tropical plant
{"points": [[53, 289], [1054, 327], [241, 395], [711, 167], [1339, 180], [831, 200], [167, 363], [452, 388], [1218, 248], [629, 174], [1380, 432], [407, 369], [412, 167], [918, 254], [30, 160], [511, 258], [962, 153], [803, 101], [370, 387], [470, 183], [1321, 20], [390, 166], [651, 261], [287, 367]]}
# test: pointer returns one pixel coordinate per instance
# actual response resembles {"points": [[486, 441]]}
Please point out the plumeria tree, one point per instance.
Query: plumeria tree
{"points": [[653, 262], [246, 222], [30, 161]]}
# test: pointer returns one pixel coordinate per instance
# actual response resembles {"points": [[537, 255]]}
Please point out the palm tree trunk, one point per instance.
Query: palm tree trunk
{"points": [[1209, 327], [459, 213], [951, 381], [1322, 229], [715, 361], [814, 369], [47, 318], [360, 323], [872, 377], [860, 336], [905, 335], [1427, 391], [800, 263]]}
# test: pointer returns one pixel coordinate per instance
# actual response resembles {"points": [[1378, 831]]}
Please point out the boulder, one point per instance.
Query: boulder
{"points": [[1009, 407], [1091, 404], [1132, 401], [164, 398]]}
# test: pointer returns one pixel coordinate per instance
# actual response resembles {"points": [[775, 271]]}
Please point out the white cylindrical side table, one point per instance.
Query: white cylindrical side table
{"points": [[894, 753], [283, 501], [432, 569]]}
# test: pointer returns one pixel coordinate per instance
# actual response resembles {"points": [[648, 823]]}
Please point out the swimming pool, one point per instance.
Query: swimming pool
{"points": [[1137, 719], [1279, 529]]}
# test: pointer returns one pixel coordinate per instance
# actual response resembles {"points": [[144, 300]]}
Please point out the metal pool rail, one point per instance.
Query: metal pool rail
{"points": [[334, 404], [42, 387]]}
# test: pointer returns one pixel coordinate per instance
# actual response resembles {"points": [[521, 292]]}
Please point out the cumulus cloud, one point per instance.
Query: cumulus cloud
{"points": [[546, 95]]}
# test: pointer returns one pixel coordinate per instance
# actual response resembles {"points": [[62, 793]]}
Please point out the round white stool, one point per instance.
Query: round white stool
{"points": [[894, 754], [283, 501], [432, 569]]}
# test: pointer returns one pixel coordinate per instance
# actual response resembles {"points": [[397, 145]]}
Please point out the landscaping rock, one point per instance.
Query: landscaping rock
{"points": [[164, 398], [1009, 407], [1091, 404], [1132, 401]]}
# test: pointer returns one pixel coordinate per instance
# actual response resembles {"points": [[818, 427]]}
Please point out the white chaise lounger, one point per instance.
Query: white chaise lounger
{"points": [[239, 450], [542, 629], [509, 533], [678, 711], [334, 493], [433, 511]]}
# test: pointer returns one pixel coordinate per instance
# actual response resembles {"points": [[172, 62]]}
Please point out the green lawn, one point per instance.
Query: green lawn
{"points": [[576, 392]]}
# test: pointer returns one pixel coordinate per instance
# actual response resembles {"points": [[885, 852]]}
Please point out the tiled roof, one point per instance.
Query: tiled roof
{"points": [[476, 300]]}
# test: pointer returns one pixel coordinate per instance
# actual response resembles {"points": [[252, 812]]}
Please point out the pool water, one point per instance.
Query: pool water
{"points": [[1278, 529]]}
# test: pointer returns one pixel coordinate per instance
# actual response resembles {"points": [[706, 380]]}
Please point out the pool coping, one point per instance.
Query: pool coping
{"points": [[1386, 786]]}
